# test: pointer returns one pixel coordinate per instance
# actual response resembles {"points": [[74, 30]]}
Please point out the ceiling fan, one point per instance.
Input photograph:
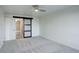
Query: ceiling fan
{"points": [[36, 8]]}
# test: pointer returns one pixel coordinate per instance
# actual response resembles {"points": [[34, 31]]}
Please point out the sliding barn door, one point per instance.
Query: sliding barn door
{"points": [[27, 31]]}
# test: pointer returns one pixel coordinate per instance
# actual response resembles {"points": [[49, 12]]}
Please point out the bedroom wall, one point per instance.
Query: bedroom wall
{"points": [[62, 26], [2, 27], [8, 17]]}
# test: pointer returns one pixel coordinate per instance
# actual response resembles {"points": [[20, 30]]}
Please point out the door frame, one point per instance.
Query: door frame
{"points": [[28, 18]]}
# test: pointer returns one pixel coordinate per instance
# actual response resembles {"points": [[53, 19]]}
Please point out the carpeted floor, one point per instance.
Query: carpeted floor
{"points": [[35, 45]]}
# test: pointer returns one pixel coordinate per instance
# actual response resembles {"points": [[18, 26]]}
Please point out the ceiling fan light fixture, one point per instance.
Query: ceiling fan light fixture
{"points": [[36, 10]]}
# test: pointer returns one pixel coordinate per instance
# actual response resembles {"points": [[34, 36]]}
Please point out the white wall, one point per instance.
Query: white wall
{"points": [[2, 27], [62, 26], [8, 17], [10, 29], [35, 27]]}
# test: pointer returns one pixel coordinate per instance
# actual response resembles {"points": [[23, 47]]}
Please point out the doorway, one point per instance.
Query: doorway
{"points": [[19, 28], [23, 27]]}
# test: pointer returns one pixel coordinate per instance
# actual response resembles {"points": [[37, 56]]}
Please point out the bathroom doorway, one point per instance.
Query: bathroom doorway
{"points": [[19, 28]]}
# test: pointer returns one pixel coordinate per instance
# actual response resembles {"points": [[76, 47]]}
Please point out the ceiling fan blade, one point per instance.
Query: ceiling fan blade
{"points": [[35, 6], [42, 10]]}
